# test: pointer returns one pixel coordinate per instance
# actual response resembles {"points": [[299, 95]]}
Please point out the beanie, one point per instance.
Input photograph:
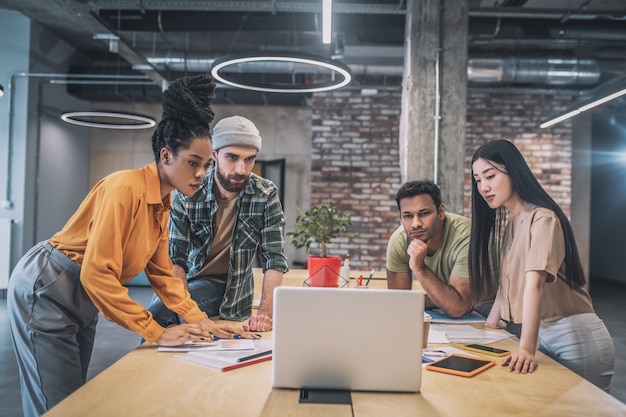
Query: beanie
{"points": [[236, 131]]}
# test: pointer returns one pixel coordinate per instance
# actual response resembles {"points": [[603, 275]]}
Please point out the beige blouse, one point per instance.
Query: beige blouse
{"points": [[533, 241]]}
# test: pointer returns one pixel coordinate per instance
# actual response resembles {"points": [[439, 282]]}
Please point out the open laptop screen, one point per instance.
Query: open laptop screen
{"points": [[350, 339]]}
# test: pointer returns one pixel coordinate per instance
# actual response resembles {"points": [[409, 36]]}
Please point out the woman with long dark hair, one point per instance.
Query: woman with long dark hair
{"points": [[523, 247]]}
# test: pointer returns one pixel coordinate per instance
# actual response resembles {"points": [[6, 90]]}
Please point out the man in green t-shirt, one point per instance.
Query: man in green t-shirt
{"points": [[432, 245]]}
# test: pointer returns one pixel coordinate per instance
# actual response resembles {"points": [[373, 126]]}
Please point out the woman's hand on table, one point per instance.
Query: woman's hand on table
{"points": [[258, 323], [225, 330], [520, 362], [181, 333]]}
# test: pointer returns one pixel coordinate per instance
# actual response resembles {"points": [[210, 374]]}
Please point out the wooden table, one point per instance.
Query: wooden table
{"points": [[145, 383]]}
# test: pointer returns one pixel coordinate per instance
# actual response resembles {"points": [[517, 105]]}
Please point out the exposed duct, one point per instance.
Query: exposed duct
{"points": [[546, 71]]}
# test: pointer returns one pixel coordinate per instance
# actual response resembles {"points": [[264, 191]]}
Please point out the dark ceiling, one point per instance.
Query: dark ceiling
{"points": [[549, 47]]}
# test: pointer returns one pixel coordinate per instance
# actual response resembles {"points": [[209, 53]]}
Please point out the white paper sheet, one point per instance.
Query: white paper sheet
{"points": [[461, 333], [228, 358], [219, 345]]}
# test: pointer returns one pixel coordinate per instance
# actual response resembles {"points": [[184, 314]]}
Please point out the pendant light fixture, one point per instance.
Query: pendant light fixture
{"points": [[281, 73], [108, 119]]}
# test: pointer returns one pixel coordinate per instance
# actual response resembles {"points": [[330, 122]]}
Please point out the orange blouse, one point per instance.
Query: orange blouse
{"points": [[119, 230]]}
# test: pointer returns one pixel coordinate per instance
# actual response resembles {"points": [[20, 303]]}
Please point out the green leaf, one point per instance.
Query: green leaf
{"points": [[320, 224]]}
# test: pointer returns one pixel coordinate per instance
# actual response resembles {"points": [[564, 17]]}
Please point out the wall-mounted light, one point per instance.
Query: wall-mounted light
{"points": [[229, 70], [108, 119], [603, 94]]}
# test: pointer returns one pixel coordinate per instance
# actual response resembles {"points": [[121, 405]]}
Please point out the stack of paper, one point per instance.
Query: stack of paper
{"points": [[225, 359], [463, 333], [218, 345]]}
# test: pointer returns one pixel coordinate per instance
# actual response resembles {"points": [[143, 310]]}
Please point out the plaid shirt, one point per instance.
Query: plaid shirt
{"points": [[258, 230]]}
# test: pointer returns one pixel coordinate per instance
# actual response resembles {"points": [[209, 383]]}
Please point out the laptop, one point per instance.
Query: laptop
{"points": [[347, 339]]}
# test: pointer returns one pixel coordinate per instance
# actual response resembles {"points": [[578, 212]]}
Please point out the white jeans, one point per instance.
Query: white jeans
{"points": [[583, 344]]}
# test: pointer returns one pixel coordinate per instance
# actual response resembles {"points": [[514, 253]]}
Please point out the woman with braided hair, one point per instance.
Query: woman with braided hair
{"points": [[119, 230]]}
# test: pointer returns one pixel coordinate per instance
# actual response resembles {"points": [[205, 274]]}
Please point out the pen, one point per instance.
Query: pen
{"points": [[435, 352], [369, 278], [360, 280], [427, 360], [256, 355], [238, 336]]}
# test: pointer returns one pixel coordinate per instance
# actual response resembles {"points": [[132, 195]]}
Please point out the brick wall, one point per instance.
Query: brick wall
{"points": [[355, 160], [517, 118]]}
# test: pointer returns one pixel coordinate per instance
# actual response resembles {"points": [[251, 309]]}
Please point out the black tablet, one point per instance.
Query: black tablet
{"points": [[462, 365]]}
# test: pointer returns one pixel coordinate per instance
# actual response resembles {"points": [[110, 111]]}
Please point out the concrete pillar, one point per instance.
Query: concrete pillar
{"points": [[434, 92]]}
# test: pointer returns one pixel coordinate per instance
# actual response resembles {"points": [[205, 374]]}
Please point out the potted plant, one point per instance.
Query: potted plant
{"points": [[321, 224]]}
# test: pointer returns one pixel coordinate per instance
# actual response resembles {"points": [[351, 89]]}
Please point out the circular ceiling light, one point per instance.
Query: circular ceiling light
{"points": [[300, 73], [108, 119]]}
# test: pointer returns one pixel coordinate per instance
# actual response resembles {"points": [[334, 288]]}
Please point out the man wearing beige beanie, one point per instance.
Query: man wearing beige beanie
{"points": [[217, 233]]}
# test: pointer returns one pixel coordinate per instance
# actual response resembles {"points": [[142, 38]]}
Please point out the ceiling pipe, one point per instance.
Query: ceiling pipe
{"points": [[269, 6], [513, 23], [272, 6], [552, 14], [524, 30], [548, 71]]}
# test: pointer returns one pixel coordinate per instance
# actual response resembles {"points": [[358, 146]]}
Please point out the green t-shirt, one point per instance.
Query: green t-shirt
{"points": [[450, 258]]}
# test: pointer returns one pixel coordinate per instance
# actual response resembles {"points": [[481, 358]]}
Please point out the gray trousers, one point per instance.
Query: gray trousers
{"points": [[53, 327], [582, 343]]}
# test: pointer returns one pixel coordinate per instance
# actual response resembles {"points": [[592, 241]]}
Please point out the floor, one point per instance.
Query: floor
{"points": [[112, 342]]}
